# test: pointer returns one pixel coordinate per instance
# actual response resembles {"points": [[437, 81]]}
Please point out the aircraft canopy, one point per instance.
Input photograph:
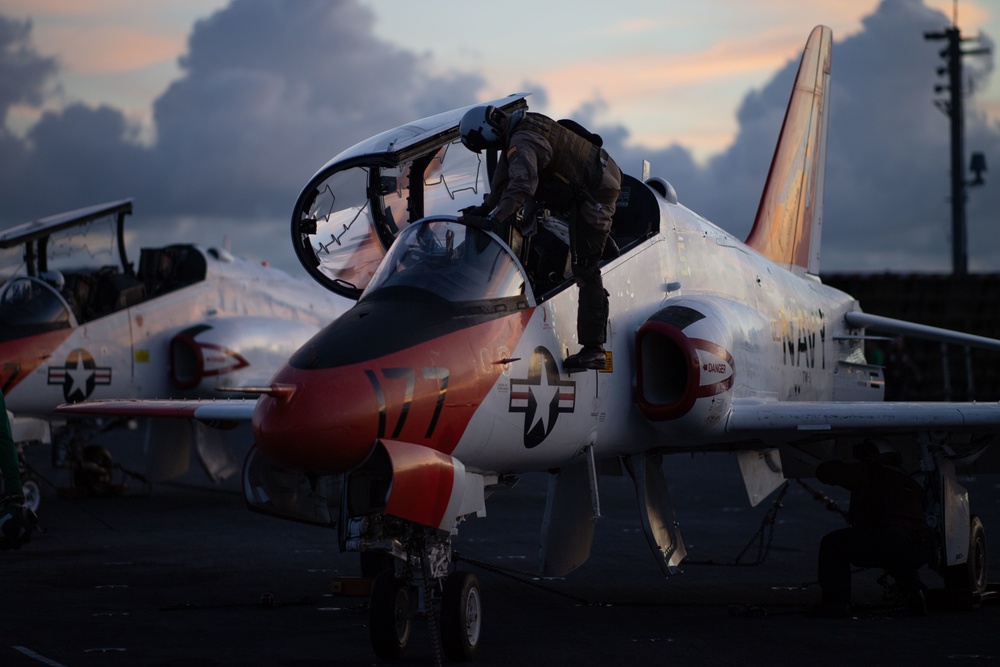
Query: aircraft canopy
{"points": [[455, 262], [353, 208]]}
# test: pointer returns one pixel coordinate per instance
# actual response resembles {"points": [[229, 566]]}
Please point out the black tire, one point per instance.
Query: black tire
{"points": [[972, 576], [461, 616], [32, 493], [389, 616], [94, 471]]}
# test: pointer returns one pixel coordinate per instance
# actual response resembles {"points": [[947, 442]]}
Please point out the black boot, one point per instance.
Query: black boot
{"points": [[591, 357]]}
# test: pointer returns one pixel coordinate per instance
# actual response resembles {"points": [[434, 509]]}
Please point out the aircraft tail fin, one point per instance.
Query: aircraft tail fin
{"points": [[790, 215]]}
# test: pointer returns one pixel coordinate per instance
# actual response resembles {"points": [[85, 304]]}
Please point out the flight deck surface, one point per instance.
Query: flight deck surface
{"points": [[188, 576]]}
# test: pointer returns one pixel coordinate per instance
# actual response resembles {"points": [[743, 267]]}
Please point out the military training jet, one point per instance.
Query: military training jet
{"points": [[396, 422], [79, 321]]}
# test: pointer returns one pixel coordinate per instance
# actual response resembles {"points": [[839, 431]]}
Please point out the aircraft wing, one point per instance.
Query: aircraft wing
{"points": [[210, 411], [817, 430], [799, 419], [902, 327]]}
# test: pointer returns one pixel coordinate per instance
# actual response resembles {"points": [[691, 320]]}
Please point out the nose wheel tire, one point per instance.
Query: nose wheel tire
{"points": [[390, 615], [461, 616]]}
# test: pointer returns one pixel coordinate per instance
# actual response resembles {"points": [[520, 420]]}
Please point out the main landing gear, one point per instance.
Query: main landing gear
{"points": [[961, 557], [390, 616], [421, 583], [968, 581], [461, 615], [93, 466]]}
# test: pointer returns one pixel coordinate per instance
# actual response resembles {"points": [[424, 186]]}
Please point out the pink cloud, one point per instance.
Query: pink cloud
{"points": [[94, 50]]}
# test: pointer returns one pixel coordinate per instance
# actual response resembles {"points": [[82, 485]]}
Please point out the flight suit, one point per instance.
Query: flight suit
{"points": [[558, 168]]}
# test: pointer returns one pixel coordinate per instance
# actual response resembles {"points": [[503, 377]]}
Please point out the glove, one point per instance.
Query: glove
{"points": [[479, 210]]}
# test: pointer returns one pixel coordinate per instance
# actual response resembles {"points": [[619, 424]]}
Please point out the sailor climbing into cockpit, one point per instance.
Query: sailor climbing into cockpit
{"points": [[565, 170]]}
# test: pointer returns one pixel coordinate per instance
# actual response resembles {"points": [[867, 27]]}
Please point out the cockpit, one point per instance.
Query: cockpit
{"points": [[440, 257], [349, 216], [352, 215]]}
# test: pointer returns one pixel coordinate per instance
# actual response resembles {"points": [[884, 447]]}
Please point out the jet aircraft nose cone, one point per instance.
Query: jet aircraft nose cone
{"points": [[328, 424]]}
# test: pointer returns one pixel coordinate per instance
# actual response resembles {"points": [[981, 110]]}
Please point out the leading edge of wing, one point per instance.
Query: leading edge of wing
{"points": [[805, 418], [904, 328], [206, 410]]}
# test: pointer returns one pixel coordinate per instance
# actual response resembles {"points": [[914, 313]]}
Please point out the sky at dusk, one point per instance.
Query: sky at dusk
{"points": [[213, 114]]}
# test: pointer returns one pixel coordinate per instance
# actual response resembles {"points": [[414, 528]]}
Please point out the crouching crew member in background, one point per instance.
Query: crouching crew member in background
{"points": [[888, 528]]}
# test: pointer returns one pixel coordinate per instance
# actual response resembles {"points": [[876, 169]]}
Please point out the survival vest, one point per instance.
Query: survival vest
{"points": [[577, 164]]}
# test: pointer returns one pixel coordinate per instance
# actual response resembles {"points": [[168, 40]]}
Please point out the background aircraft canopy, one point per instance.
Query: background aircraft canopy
{"points": [[92, 235], [351, 211], [29, 306], [42, 261], [72, 268]]}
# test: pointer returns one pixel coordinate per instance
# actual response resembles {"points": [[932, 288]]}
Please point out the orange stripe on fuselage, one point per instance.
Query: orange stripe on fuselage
{"points": [[424, 394], [19, 357]]}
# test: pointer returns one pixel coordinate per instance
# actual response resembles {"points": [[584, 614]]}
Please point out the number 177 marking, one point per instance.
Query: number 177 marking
{"points": [[408, 376]]}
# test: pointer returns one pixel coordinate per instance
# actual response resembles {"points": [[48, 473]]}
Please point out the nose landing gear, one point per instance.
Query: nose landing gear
{"points": [[422, 585], [390, 616], [461, 616]]}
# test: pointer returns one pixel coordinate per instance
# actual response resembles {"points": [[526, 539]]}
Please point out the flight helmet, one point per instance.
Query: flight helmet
{"points": [[54, 278], [482, 127]]}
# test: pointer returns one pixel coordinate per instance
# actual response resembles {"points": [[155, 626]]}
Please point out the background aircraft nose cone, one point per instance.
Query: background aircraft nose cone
{"points": [[328, 424]]}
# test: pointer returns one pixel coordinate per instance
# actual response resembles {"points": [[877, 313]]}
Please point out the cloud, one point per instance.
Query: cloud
{"points": [[270, 90], [887, 176], [120, 49], [632, 78], [26, 75]]}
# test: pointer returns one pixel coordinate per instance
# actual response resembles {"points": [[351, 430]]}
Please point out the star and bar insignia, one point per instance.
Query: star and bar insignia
{"points": [[542, 397]]}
